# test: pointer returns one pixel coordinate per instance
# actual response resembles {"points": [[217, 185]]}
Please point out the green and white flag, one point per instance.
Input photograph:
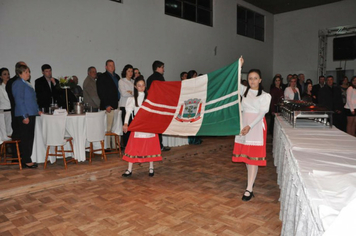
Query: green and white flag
{"points": [[208, 105]]}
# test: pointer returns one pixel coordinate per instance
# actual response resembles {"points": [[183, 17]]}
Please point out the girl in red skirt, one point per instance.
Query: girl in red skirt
{"points": [[141, 147], [250, 145]]}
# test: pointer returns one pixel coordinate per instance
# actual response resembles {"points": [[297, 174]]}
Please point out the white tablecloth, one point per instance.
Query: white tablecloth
{"points": [[75, 128], [5, 119], [174, 141], [317, 176], [3, 127]]}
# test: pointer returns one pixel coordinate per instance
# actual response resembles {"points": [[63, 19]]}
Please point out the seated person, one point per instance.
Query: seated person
{"points": [[62, 102], [77, 90]]}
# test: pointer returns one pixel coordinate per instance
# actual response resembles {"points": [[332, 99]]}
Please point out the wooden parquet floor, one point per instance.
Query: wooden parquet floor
{"points": [[196, 190]]}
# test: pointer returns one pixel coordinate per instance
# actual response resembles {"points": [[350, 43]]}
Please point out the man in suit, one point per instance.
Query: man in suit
{"points": [[89, 89], [301, 84], [158, 71], [45, 87], [107, 86], [317, 87], [330, 97]]}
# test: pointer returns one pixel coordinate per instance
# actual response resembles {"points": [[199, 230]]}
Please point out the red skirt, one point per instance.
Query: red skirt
{"points": [[140, 150], [249, 154]]}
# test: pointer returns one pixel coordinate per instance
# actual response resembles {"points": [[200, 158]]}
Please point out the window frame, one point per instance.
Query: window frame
{"points": [[198, 8], [250, 29]]}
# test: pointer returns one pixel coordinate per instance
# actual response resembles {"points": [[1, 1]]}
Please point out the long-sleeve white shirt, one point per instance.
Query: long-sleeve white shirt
{"points": [[4, 98], [125, 86], [350, 98], [130, 106], [253, 104]]}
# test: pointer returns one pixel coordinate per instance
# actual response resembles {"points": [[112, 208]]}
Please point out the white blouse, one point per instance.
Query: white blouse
{"points": [[124, 86], [350, 98], [289, 95], [130, 106], [255, 104], [4, 98]]}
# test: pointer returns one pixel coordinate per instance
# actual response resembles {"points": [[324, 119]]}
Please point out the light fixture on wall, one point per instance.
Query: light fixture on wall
{"points": [[119, 1]]}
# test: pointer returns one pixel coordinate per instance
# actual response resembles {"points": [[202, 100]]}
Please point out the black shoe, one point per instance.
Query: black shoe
{"points": [[151, 174], [32, 166], [247, 198], [127, 173], [165, 148]]}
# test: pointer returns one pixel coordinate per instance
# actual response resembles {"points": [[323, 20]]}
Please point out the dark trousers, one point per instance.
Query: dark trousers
{"points": [[125, 136], [160, 140], [26, 135], [15, 134], [340, 120], [271, 124]]}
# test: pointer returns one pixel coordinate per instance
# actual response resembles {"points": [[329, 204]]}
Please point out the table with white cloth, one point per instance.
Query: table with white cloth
{"points": [[5, 122], [174, 141], [317, 176], [75, 128]]}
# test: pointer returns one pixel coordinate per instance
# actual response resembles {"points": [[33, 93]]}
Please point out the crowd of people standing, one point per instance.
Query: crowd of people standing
{"points": [[341, 99], [102, 91]]}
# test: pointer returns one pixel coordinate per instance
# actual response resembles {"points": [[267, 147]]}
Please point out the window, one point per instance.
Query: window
{"points": [[250, 24], [200, 11]]}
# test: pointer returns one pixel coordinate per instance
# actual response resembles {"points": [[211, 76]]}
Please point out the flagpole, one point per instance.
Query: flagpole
{"points": [[241, 62]]}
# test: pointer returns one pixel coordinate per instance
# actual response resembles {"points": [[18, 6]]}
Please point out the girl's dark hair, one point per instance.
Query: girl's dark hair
{"points": [[343, 78], [2, 70], [274, 81], [309, 81], [123, 73], [259, 85], [139, 78], [191, 74]]}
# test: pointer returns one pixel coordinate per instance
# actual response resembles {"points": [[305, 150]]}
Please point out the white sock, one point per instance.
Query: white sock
{"points": [[251, 176], [151, 167], [129, 168]]}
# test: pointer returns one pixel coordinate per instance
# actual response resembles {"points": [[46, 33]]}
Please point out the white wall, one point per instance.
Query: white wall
{"points": [[296, 38], [73, 35]]}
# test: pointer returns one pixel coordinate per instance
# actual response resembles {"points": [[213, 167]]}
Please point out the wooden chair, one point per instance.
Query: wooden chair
{"points": [[116, 131], [5, 130], [95, 130], [5, 158], [53, 128]]}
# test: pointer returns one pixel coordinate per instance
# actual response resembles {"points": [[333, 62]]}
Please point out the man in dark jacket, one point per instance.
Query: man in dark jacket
{"points": [[158, 71], [330, 96], [317, 87], [46, 90], [107, 86]]}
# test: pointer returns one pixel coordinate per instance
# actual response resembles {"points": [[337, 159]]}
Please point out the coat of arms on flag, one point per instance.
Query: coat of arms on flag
{"points": [[190, 111], [208, 105]]}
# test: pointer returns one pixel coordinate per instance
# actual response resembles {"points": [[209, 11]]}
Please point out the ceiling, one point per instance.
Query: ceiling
{"points": [[281, 6]]}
